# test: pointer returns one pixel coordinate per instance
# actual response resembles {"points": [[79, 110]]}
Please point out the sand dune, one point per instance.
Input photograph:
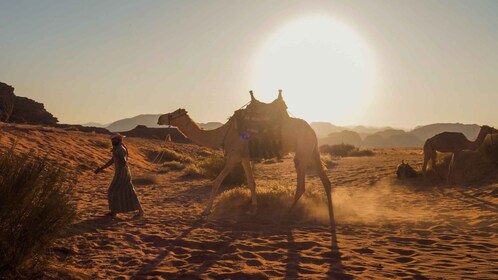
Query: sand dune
{"points": [[384, 228]]}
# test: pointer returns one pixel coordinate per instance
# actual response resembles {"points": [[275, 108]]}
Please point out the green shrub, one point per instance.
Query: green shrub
{"points": [[211, 167], [34, 208], [345, 150]]}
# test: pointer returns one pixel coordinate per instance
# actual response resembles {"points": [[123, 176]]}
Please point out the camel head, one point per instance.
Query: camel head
{"points": [[485, 130], [172, 118]]}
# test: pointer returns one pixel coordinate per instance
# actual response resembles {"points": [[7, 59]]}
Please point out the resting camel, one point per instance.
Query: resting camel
{"points": [[297, 136], [451, 142]]}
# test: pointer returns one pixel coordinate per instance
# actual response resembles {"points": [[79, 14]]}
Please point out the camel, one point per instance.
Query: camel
{"points": [[451, 142], [297, 136]]}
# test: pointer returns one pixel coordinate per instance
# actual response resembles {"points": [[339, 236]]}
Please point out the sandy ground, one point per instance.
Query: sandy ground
{"points": [[384, 228]]}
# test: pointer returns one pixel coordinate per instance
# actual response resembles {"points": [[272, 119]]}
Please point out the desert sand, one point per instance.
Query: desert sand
{"points": [[384, 228]]}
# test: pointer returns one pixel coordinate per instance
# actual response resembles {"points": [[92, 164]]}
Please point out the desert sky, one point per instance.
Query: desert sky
{"points": [[397, 63]]}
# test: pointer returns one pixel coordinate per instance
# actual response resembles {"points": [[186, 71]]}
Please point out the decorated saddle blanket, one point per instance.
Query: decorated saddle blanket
{"points": [[261, 124]]}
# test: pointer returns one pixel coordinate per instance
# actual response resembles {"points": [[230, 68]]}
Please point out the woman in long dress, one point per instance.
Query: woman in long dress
{"points": [[121, 194]]}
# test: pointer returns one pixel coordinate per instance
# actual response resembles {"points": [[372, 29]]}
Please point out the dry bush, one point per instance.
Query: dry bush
{"points": [[192, 171], [174, 165], [211, 167], [166, 155], [34, 208], [274, 202], [345, 150]]}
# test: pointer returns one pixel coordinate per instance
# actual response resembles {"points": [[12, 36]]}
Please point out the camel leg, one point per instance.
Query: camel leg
{"points": [[428, 154], [301, 175], [217, 182], [450, 169], [326, 183], [426, 160], [246, 164]]}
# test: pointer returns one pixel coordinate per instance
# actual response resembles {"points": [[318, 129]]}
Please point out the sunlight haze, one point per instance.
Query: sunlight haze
{"points": [[377, 63]]}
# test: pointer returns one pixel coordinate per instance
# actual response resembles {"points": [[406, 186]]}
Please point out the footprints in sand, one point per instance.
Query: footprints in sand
{"points": [[443, 237]]}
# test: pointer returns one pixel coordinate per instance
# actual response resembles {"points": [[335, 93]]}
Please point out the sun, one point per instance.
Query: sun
{"points": [[324, 67]]}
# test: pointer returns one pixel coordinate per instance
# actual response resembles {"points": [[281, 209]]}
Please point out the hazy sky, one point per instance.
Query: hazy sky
{"points": [[397, 63]]}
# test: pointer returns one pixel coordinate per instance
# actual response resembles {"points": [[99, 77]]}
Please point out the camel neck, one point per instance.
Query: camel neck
{"points": [[478, 142], [209, 138]]}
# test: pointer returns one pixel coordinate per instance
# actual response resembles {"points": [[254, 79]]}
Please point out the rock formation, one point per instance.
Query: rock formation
{"points": [[21, 109], [6, 101]]}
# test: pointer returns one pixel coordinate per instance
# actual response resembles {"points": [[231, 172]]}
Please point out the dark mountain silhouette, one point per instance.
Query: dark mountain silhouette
{"points": [[157, 133], [150, 121]]}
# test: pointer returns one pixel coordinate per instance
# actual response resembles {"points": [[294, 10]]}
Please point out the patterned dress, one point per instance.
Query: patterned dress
{"points": [[122, 197]]}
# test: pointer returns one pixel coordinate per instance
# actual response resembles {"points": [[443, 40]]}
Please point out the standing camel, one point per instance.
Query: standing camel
{"points": [[297, 136], [451, 142]]}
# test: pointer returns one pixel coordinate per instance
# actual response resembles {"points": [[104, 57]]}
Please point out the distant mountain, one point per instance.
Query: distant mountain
{"points": [[396, 137], [345, 136], [323, 129], [367, 130], [150, 121], [424, 132], [94, 124]]}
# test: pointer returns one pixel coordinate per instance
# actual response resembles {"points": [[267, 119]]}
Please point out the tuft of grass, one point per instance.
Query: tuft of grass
{"points": [[274, 202], [211, 167], [345, 150], [192, 171], [174, 165], [34, 209], [167, 155]]}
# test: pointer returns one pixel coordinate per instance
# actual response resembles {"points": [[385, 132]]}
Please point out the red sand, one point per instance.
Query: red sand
{"points": [[385, 229]]}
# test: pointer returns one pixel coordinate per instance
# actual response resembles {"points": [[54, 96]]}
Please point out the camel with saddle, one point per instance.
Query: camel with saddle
{"points": [[260, 130]]}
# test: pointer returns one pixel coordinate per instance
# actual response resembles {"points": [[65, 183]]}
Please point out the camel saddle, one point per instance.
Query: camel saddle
{"points": [[260, 124]]}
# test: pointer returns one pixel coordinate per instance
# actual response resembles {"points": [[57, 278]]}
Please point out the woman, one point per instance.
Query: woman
{"points": [[121, 195]]}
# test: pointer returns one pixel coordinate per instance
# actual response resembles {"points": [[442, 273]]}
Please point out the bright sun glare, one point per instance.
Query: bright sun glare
{"points": [[325, 69]]}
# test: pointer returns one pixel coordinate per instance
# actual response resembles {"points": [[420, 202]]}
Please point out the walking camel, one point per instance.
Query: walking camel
{"points": [[451, 142], [297, 136]]}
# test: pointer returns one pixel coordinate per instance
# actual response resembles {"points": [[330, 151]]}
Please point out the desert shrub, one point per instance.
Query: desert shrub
{"points": [[211, 167], [192, 171], [174, 165], [274, 202], [166, 155], [34, 208], [345, 150]]}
